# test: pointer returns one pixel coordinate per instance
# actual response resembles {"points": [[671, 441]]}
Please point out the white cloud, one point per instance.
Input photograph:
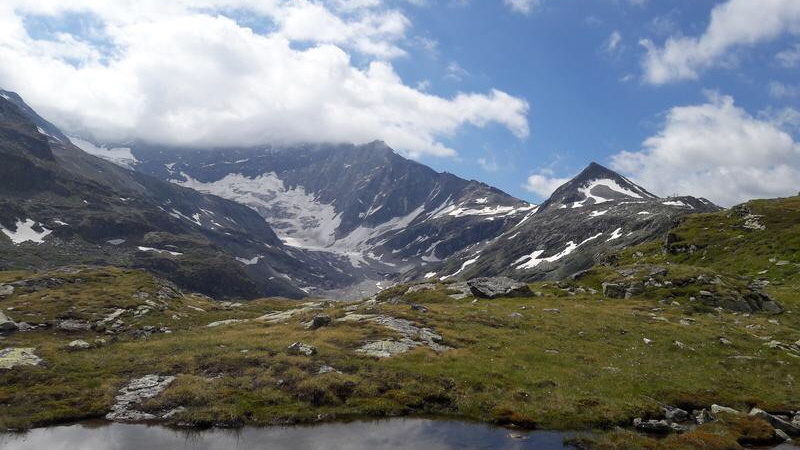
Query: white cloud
{"points": [[733, 24], [455, 72], [613, 43], [489, 165], [185, 72], [716, 150], [544, 183], [781, 91], [522, 6], [790, 57]]}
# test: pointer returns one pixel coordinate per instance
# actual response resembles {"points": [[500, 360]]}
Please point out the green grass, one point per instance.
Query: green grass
{"points": [[584, 367]]}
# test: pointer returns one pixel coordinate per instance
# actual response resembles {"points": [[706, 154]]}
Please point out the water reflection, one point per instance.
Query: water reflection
{"points": [[417, 434]]}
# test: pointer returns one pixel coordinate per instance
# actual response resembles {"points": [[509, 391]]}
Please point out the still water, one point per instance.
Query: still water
{"points": [[401, 433]]}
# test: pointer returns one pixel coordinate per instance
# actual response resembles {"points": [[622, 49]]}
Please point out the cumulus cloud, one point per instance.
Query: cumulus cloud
{"points": [[522, 6], [733, 24], [194, 73], [544, 183], [716, 150]]}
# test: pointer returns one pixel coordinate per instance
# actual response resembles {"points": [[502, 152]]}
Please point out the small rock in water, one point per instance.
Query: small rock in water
{"points": [[298, 348]]}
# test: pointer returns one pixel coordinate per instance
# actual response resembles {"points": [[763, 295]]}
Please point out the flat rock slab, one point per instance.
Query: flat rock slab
{"points": [[136, 391], [495, 287], [13, 357], [411, 336]]}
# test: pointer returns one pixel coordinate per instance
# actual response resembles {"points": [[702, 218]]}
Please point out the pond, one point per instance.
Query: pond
{"points": [[400, 433]]}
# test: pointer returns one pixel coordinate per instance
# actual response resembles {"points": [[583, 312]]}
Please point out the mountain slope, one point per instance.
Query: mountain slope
{"points": [[366, 205], [585, 220], [60, 205]]}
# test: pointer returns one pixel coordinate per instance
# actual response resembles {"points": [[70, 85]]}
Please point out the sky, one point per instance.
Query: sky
{"points": [[686, 97]]}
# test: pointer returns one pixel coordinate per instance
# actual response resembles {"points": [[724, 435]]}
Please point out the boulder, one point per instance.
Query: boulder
{"points": [[300, 349], [634, 289], [6, 324], [420, 308], [717, 409], [319, 321], [675, 414], [78, 345], [495, 287], [73, 325], [614, 290], [6, 290], [652, 426], [136, 391], [13, 357], [776, 422]]}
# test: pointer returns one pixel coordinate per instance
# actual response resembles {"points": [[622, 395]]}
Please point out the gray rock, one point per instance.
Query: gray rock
{"points": [[675, 414], [72, 325], [6, 324], [300, 349], [652, 426], [387, 348], [776, 421], [420, 308], [78, 345], [136, 391], [6, 290], [614, 290], [782, 435], [220, 323], [634, 289], [13, 357], [495, 287], [421, 287], [717, 409], [319, 321], [701, 416]]}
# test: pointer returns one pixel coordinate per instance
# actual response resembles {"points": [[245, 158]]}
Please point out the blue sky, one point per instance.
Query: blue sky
{"points": [[684, 96]]}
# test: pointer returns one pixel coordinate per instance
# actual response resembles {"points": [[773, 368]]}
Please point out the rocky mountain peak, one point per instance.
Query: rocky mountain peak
{"points": [[594, 185]]}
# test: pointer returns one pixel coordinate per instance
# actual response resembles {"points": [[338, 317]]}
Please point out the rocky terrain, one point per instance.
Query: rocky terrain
{"points": [[680, 338], [585, 221], [379, 212], [62, 206]]}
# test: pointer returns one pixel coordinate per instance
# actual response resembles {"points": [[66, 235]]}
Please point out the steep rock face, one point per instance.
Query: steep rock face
{"points": [[365, 205], [60, 205], [584, 221]]}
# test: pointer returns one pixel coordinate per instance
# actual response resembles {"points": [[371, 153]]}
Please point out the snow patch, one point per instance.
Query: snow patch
{"points": [[616, 234], [26, 233], [158, 250], [534, 260], [249, 262], [121, 156]]}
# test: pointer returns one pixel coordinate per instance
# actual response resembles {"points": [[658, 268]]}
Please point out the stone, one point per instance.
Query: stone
{"points": [[78, 345], [782, 435], [136, 391], [73, 325], [301, 349], [683, 346], [387, 348], [6, 324], [675, 414], [420, 308], [319, 321], [614, 290], [326, 369], [461, 288], [220, 323], [421, 287], [13, 357], [776, 421], [701, 416], [495, 287], [652, 426], [552, 310], [717, 409], [282, 316], [6, 290], [658, 272], [634, 289]]}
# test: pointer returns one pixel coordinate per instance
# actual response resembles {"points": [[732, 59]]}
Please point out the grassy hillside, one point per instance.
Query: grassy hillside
{"points": [[568, 359]]}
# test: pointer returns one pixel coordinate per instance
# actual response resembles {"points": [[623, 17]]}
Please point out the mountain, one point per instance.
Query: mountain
{"points": [[364, 205], [583, 222], [61, 206]]}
